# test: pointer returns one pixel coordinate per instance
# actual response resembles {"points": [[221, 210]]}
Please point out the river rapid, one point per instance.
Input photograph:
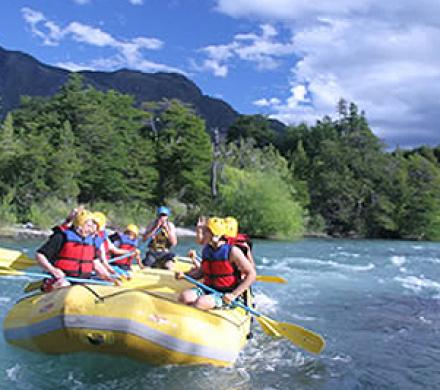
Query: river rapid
{"points": [[377, 304]]}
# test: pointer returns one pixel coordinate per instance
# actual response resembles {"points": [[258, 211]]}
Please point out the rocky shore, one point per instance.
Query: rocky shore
{"points": [[27, 232]]}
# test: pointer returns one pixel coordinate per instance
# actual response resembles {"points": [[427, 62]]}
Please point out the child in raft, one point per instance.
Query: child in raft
{"points": [[224, 268]]}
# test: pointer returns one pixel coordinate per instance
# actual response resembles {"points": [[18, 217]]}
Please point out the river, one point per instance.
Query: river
{"points": [[377, 304]]}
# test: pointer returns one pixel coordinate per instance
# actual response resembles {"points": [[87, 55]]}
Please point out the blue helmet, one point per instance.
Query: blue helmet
{"points": [[163, 210]]}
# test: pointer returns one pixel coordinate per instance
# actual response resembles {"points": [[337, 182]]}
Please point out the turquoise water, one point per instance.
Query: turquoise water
{"points": [[377, 303]]}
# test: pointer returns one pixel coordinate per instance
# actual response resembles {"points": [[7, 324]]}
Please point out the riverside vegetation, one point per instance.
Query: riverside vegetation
{"points": [[87, 146]]}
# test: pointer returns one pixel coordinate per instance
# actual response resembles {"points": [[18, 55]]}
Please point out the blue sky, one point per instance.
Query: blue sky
{"points": [[290, 59]]}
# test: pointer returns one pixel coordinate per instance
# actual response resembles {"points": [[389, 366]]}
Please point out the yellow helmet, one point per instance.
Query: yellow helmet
{"points": [[231, 227], [217, 226], [82, 217], [132, 228], [99, 219]]}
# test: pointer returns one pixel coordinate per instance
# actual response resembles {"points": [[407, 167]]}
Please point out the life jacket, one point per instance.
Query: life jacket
{"points": [[160, 242], [102, 238], [218, 271], [76, 255], [61, 228], [239, 241], [125, 242]]}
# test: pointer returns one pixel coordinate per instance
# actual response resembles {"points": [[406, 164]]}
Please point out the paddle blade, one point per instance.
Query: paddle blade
{"points": [[14, 259], [271, 279], [11, 272], [301, 337], [268, 328], [33, 286]]}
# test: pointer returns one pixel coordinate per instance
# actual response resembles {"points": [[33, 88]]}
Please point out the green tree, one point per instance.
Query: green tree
{"points": [[64, 167], [184, 155], [257, 127]]}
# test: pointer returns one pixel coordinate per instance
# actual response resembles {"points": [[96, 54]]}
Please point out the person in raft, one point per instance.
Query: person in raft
{"points": [[104, 246], [222, 268], [232, 236], [161, 237], [129, 242], [71, 252]]}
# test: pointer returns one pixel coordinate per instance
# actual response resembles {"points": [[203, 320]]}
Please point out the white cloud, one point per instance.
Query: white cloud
{"points": [[267, 102], [263, 50], [137, 2], [382, 55], [128, 52]]}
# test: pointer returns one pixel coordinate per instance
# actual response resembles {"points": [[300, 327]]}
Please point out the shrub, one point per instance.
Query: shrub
{"points": [[262, 202]]}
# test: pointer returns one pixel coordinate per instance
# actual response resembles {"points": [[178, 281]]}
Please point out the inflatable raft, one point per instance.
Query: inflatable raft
{"points": [[141, 320]]}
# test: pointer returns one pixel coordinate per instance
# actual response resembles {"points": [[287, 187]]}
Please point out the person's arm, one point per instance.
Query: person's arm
{"points": [[48, 267], [192, 254], [47, 253], [195, 273], [171, 233], [115, 250], [101, 271], [151, 229], [237, 257], [138, 258], [200, 236]]}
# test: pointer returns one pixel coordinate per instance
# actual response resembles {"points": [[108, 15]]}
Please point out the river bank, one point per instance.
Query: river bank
{"points": [[29, 232]]}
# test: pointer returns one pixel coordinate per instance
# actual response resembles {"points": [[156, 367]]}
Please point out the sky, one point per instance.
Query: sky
{"points": [[289, 59]]}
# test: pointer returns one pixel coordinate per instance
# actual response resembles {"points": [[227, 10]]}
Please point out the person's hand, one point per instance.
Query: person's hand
{"points": [[57, 273], [138, 252], [74, 212], [228, 298], [179, 275], [192, 254], [201, 221]]}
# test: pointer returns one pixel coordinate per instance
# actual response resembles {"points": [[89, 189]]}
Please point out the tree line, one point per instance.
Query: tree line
{"points": [[87, 146]]}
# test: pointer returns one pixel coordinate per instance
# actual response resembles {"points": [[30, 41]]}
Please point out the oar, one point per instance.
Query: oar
{"points": [[113, 259], [14, 272], [299, 336], [10, 258], [260, 278], [32, 286]]}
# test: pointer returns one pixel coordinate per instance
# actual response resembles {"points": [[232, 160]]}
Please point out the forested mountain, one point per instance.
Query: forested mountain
{"points": [[21, 74]]}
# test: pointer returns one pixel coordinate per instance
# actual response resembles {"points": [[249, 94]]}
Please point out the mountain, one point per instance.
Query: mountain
{"points": [[21, 74]]}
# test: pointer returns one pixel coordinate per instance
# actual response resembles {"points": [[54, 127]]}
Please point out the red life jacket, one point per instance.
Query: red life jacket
{"points": [[240, 240], [218, 271], [125, 242], [76, 255], [103, 239]]}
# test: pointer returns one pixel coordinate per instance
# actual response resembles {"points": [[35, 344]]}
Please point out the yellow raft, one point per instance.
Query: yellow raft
{"points": [[141, 320]]}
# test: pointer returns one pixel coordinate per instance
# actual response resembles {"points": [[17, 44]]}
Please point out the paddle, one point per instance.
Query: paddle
{"points": [[260, 278], [14, 272], [10, 258], [32, 286], [299, 336]]}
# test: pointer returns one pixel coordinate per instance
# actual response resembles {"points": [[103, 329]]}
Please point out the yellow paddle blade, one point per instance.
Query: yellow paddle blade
{"points": [[271, 279], [10, 272], [14, 259], [268, 328], [301, 337], [33, 286]]}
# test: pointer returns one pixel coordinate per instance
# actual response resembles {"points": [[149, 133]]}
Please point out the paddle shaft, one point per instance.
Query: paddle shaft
{"points": [[260, 278], [207, 288], [69, 278], [112, 260]]}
